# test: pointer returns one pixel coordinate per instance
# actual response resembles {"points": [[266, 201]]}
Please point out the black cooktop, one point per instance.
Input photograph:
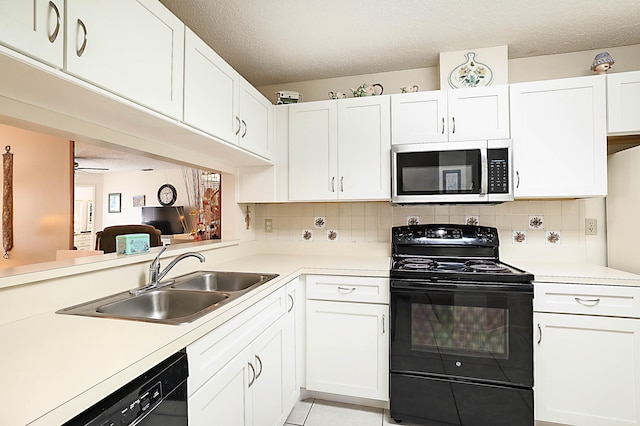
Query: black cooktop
{"points": [[451, 252]]}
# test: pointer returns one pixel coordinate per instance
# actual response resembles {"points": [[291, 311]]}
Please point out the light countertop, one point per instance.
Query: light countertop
{"points": [[55, 366]]}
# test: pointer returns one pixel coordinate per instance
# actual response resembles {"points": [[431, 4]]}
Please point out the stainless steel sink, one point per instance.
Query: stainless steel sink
{"points": [[220, 281], [177, 301], [164, 305]]}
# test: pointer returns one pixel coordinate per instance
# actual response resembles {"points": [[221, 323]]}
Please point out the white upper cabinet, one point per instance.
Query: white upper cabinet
{"points": [[623, 103], [559, 137], [451, 115], [132, 48], [34, 28], [340, 150], [211, 90], [256, 118], [218, 101]]}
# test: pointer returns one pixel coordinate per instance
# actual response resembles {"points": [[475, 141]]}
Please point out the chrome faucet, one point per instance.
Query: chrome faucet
{"points": [[155, 275]]}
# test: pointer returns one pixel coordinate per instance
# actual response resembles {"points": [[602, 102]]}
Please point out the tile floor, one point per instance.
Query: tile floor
{"points": [[317, 412]]}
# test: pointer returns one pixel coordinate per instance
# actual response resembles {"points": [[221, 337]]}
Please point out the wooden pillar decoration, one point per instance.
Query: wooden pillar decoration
{"points": [[7, 201]]}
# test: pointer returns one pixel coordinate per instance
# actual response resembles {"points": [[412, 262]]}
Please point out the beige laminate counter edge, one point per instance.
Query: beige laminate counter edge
{"points": [[54, 366]]}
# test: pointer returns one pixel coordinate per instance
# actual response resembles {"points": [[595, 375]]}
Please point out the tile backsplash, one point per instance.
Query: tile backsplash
{"points": [[519, 222]]}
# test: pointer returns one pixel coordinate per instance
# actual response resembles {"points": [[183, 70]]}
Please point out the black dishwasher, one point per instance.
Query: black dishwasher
{"points": [[157, 397]]}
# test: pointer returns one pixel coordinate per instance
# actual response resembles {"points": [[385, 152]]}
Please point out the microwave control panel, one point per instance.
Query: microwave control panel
{"points": [[498, 171]]}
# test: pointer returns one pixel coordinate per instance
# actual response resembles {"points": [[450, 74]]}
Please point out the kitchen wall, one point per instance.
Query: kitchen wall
{"points": [[546, 67], [549, 230], [42, 179]]}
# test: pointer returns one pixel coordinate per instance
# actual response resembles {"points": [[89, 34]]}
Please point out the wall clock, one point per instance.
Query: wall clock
{"points": [[167, 194]]}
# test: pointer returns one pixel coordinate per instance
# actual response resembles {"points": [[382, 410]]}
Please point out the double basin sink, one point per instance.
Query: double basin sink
{"points": [[176, 301]]}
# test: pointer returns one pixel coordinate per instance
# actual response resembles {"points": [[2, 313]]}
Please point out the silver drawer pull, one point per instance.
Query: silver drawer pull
{"points": [[346, 289], [587, 302]]}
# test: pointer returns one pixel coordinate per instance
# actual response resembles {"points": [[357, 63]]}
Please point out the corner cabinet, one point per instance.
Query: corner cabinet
{"points": [[132, 48], [35, 28], [559, 137], [623, 103], [587, 369], [340, 150], [348, 336], [450, 115]]}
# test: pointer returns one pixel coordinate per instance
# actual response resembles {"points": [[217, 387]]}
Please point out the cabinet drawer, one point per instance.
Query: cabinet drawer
{"points": [[211, 352], [616, 301], [346, 288]]}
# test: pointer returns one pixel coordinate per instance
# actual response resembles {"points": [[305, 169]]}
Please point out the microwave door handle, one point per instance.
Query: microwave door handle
{"points": [[484, 173]]}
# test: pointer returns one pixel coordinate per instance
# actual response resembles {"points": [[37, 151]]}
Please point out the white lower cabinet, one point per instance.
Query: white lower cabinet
{"points": [[238, 371], [587, 368], [347, 341]]}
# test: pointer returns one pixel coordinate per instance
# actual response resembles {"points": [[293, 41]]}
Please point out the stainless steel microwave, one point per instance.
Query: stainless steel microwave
{"points": [[452, 172]]}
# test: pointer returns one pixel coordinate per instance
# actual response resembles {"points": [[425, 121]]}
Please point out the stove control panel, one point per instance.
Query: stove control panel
{"points": [[454, 234]]}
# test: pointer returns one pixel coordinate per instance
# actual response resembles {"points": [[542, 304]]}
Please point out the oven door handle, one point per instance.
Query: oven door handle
{"points": [[422, 287]]}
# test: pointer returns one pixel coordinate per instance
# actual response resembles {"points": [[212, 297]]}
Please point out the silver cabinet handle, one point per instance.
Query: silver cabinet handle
{"points": [[260, 371], [80, 51], [245, 129], [453, 122], [346, 289], [239, 125], [53, 36], [517, 179], [587, 302], [539, 334], [443, 125], [383, 329], [292, 302], [333, 181], [341, 183], [253, 370]]}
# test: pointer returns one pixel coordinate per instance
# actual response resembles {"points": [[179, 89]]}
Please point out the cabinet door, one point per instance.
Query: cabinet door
{"points": [[364, 149], [226, 398], [623, 103], [313, 144], [586, 370], [478, 113], [419, 117], [211, 90], [268, 387], [34, 28], [256, 115], [291, 365], [347, 349], [559, 137], [134, 48]]}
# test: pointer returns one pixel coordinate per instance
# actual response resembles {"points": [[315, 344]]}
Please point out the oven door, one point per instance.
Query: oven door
{"points": [[467, 331]]}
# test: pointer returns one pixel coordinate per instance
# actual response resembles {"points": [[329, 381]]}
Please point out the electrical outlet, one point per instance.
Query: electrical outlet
{"points": [[268, 225], [590, 227]]}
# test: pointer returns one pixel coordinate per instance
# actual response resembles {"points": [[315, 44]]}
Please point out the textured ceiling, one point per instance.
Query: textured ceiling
{"points": [[283, 41]]}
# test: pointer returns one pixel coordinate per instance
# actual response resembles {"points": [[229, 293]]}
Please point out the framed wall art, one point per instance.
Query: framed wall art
{"points": [[115, 202]]}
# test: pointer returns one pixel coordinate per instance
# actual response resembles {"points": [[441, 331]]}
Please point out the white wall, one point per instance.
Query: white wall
{"points": [[546, 67]]}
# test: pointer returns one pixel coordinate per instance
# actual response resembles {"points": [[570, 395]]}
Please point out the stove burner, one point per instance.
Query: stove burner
{"points": [[422, 263], [484, 266]]}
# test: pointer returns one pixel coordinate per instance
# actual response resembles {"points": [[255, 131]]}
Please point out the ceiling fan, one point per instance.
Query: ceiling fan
{"points": [[76, 167]]}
